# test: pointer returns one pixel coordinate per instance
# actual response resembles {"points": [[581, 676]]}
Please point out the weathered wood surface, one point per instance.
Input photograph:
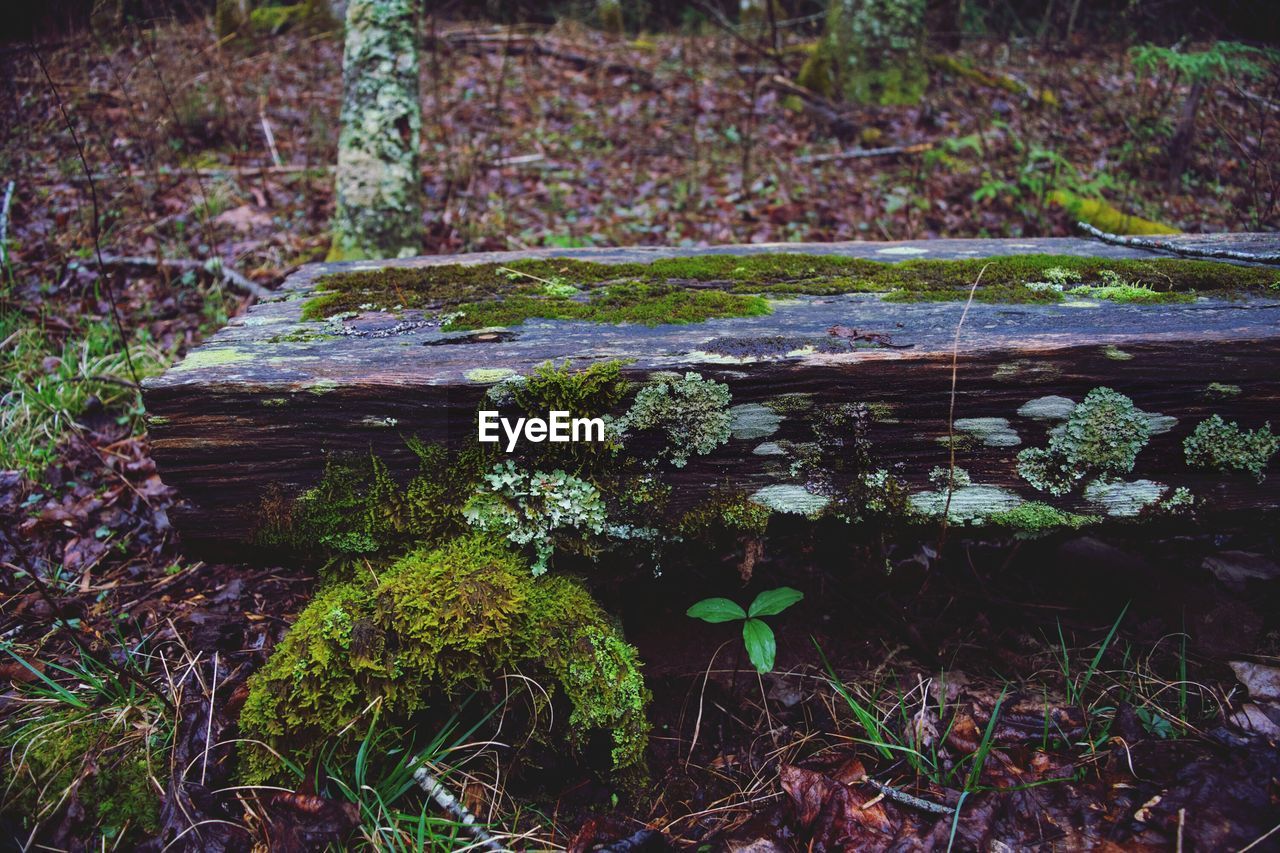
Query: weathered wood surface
{"points": [[259, 404]]}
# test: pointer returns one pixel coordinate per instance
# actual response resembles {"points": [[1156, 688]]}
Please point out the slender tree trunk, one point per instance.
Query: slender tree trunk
{"points": [[1183, 135], [378, 187], [871, 53]]}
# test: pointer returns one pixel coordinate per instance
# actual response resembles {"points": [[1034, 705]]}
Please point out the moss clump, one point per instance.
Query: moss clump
{"points": [[542, 510], [653, 293], [1101, 438], [1106, 217], [1033, 519], [593, 392], [113, 754], [691, 412], [733, 513], [359, 509], [437, 624], [1224, 446]]}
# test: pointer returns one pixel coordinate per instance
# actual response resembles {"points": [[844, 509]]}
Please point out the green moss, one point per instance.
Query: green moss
{"points": [[729, 286], [1222, 391], [732, 512], [113, 754], [358, 508], [1223, 446], [1106, 217], [1101, 438], [1034, 519], [692, 413], [436, 625], [205, 357], [590, 393]]}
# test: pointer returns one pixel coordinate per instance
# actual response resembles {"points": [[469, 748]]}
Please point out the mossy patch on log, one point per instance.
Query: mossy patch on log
{"points": [[694, 289]]}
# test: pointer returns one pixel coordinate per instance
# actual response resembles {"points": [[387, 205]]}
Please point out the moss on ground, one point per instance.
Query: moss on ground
{"points": [[434, 626], [475, 295], [110, 756]]}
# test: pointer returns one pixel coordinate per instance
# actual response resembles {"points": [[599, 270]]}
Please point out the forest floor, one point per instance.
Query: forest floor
{"points": [[1038, 690]]}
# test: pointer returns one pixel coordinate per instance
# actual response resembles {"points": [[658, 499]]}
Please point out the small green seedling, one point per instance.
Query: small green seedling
{"points": [[758, 637]]}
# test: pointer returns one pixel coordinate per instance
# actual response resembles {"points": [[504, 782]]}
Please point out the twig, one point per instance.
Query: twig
{"points": [[1173, 248], [951, 411], [815, 105], [214, 266], [447, 801], [95, 229], [908, 799], [271, 139], [4, 224], [861, 153]]}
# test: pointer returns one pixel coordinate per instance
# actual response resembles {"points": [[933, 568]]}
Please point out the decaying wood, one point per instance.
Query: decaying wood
{"points": [[1183, 249], [265, 401]]}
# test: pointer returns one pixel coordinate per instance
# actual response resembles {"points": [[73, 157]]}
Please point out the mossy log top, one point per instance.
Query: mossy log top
{"points": [[358, 357]]}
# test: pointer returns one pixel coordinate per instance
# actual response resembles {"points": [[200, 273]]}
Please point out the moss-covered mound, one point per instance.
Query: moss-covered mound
{"points": [[693, 289], [434, 626]]}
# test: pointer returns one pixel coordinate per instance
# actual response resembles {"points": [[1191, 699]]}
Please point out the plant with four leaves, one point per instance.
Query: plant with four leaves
{"points": [[758, 637]]}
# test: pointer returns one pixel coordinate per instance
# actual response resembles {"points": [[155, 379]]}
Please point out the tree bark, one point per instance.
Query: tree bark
{"points": [[378, 211], [871, 53], [1183, 135]]}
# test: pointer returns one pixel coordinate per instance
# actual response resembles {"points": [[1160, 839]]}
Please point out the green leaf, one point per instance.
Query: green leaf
{"points": [[774, 601], [761, 646], [716, 610]]}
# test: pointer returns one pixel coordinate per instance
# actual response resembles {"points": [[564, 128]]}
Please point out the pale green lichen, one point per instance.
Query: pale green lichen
{"points": [[1049, 408], [993, 432], [1116, 354], [787, 498], [970, 504], [752, 420], [1124, 498], [537, 509], [1223, 446], [769, 448], [691, 412], [212, 356], [489, 375], [1102, 437]]}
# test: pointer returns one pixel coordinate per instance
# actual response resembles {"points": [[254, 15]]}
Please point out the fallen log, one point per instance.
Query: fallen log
{"points": [[806, 380]]}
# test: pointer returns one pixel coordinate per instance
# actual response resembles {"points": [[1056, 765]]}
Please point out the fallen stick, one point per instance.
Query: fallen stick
{"points": [[447, 801], [861, 153], [908, 799], [214, 266], [1173, 248], [4, 224]]}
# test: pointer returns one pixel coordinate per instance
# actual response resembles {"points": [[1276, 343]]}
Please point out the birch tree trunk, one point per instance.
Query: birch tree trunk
{"points": [[872, 52], [378, 188]]}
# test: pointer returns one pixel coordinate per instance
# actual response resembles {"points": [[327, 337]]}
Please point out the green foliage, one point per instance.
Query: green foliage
{"points": [[1034, 519], [85, 728], [438, 623], [651, 292], [1102, 437], [757, 636], [735, 513], [1223, 59], [1224, 446], [692, 412], [359, 509], [47, 384], [538, 509]]}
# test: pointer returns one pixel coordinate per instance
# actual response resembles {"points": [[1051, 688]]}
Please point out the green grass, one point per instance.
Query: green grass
{"points": [[45, 386]]}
